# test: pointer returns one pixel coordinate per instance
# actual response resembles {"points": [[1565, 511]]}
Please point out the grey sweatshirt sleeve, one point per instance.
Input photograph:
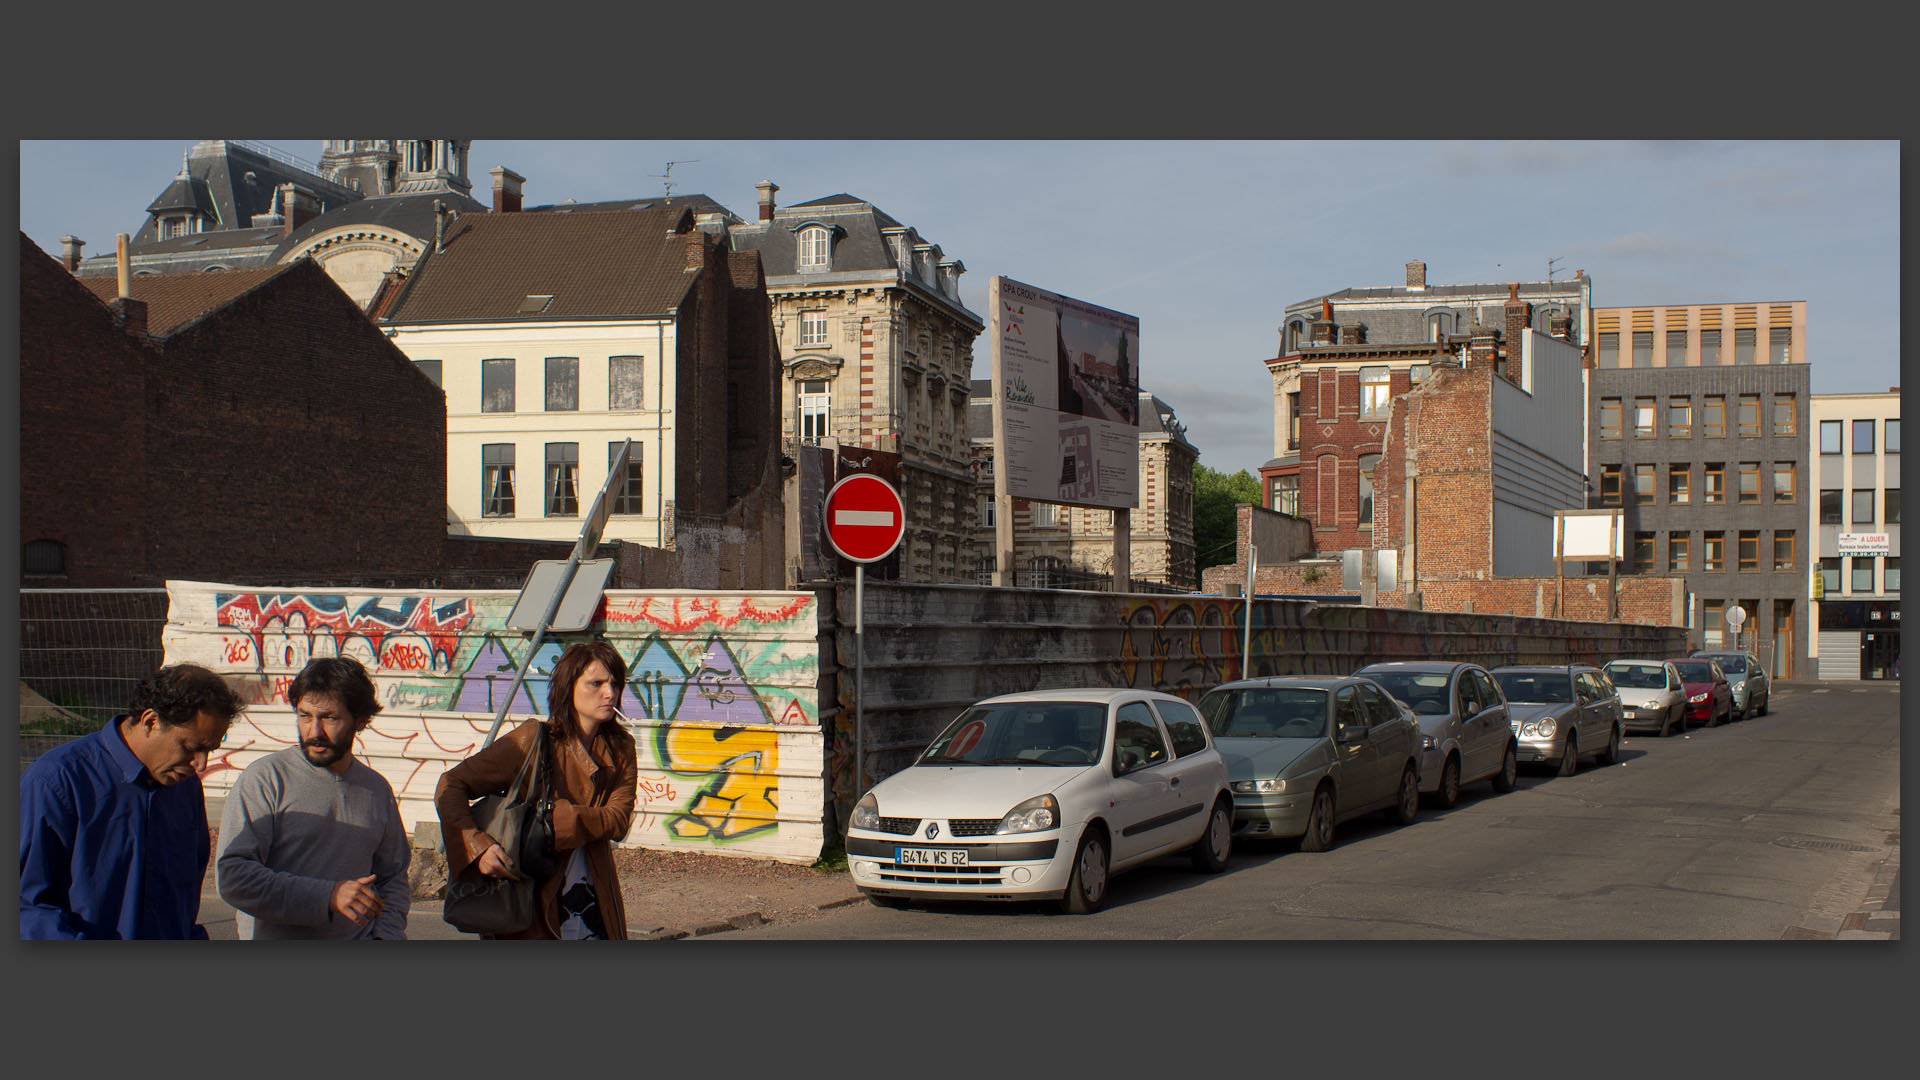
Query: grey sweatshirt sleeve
{"points": [[390, 864], [246, 835]]}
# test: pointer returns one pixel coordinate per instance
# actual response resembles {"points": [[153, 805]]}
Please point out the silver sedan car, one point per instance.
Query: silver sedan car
{"points": [[1652, 695], [1562, 714]]}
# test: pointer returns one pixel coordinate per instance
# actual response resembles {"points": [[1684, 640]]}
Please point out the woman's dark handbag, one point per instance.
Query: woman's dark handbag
{"points": [[521, 819]]}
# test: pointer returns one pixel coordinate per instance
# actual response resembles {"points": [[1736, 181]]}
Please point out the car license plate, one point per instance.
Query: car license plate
{"points": [[919, 856]]}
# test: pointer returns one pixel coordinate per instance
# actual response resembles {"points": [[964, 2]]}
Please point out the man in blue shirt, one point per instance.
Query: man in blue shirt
{"points": [[113, 827]]}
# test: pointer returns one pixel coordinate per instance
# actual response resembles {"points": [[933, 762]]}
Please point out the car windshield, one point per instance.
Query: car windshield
{"points": [[1732, 665], [1425, 692], [1535, 687], [1694, 672], [1022, 733], [1638, 676], [1277, 712]]}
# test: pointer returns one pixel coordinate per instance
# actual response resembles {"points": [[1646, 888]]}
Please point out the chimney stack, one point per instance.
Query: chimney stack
{"points": [[131, 313], [439, 225], [506, 189], [1416, 275], [72, 244], [1320, 331], [696, 250], [766, 188], [1519, 316]]}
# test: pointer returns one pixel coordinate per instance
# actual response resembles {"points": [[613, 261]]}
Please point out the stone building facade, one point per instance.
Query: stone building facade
{"points": [[1854, 518], [878, 353], [1072, 547]]}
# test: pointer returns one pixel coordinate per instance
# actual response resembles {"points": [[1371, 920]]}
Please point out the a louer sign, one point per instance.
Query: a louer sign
{"points": [[1864, 544]]}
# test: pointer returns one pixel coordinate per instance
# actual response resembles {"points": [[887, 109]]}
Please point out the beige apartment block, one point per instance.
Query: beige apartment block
{"points": [[1854, 471]]}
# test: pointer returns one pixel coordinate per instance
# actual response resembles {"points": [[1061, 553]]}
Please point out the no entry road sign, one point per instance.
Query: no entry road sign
{"points": [[865, 518]]}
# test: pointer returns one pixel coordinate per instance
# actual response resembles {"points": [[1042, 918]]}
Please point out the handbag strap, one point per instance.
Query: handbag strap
{"points": [[526, 781]]}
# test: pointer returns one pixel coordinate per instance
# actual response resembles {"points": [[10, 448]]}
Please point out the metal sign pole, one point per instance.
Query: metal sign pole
{"points": [[859, 677], [1246, 635]]}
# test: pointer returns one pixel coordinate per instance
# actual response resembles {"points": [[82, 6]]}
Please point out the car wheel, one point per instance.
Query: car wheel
{"points": [[1449, 792], [1210, 852], [1569, 757], [877, 900], [1677, 715], [1508, 777], [1766, 702], [1408, 808], [1319, 834], [1611, 754], [1714, 715], [1087, 887]]}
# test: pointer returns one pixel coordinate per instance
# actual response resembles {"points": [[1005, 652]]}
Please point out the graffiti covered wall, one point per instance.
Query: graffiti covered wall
{"points": [[722, 691]]}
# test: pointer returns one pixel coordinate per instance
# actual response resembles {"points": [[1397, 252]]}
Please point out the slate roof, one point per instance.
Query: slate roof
{"points": [[701, 204], [860, 249], [595, 266], [174, 300], [185, 193], [408, 214], [223, 167]]}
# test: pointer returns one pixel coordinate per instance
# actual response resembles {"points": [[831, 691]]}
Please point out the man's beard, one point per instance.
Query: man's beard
{"points": [[328, 752]]}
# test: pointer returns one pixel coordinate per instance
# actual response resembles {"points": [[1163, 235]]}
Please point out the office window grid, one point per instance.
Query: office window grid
{"points": [[1749, 540], [1749, 481], [1785, 482], [1786, 421], [1783, 540], [1713, 550], [1679, 418], [1643, 418], [1679, 480], [1713, 416], [1749, 416], [1678, 544], [1714, 492], [1609, 418]]}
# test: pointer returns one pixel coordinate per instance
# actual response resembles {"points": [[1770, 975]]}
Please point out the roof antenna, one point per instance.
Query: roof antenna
{"points": [[1550, 263], [668, 176]]}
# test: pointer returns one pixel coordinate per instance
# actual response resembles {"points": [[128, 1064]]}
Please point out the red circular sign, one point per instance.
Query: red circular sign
{"points": [[967, 739], [865, 518]]}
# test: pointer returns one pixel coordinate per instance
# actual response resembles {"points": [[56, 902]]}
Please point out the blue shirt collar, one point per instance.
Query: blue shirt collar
{"points": [[131, 770]]}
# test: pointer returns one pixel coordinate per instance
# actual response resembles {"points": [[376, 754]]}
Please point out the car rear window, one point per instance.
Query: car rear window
{"points": [[1279, 712], [1732, 665], [1425, 692], [1638, 676], [1532, 688]]}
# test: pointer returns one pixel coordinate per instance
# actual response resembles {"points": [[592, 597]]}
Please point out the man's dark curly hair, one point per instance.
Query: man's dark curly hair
{"points": [[341, 676], [178, 693]]}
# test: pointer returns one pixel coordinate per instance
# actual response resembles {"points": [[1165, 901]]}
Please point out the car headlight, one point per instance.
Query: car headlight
{"points": [[1696, 699], [866, 813], [1259, 787], [1426, 742], [1037, 814]]}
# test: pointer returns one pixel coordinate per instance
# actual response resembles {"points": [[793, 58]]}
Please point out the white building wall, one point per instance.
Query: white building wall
{"points": [[460, 350]]}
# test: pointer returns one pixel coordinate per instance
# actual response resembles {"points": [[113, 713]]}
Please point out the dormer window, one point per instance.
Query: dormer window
{"points": [[815, 250]]}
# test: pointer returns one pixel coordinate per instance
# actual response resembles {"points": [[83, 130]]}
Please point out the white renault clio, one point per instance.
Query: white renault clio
{"points": [[1045, 794]]}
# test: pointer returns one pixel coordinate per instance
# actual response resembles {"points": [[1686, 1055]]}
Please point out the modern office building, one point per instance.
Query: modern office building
{"points": [[1855, 521], [1698, 427]]}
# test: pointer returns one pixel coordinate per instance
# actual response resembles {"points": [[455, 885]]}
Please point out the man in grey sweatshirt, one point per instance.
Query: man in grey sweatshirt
{"points": [[311, 844]]}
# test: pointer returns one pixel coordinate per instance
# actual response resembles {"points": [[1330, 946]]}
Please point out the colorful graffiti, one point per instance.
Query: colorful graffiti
{"points": [[722, 689]]}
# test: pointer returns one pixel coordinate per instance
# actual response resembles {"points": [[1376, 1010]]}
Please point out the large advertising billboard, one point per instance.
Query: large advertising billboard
{"points": [[1066, 387]]}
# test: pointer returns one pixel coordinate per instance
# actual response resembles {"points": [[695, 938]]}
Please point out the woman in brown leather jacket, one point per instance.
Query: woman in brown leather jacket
{"points": [[596, 774]]}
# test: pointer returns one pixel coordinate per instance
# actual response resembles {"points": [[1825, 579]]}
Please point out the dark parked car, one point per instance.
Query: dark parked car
{"points": [[1561, 714], [1709, 697], [1751, 684], [1304, 754], [1465, 735]]}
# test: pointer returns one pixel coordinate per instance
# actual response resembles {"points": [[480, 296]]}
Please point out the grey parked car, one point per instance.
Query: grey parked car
{"points": [[1652, 695], [1304, 754], [1747, 677], [1562, 714], [1465, 736]]}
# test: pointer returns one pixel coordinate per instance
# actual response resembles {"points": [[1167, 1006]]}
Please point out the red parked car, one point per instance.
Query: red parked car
{"points": [[1709, 695]]}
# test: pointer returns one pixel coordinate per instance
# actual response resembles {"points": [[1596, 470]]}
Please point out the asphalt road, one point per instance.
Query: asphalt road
{"points": [[1769, 828]]}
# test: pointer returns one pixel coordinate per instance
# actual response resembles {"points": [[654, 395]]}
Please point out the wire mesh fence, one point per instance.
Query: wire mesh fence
{"points": [[82, 652]]}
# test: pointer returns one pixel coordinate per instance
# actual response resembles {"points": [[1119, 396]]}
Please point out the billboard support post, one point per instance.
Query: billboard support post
{"points": [[1246, 634], [1122, 549]]}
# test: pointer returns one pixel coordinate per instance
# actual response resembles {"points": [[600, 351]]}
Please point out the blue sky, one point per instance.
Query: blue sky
{"points": [[1207, 242]]}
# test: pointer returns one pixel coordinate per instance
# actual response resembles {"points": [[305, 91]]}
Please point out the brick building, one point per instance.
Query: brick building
{"points": [[560, 335], [1698, 429], [250, 425]]}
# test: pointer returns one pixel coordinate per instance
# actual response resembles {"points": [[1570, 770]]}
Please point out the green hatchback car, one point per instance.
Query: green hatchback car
{"points": [[1305, 754]]}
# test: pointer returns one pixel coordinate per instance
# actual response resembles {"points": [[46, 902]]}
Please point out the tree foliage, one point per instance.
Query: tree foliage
{"points": [[1215, 494]]}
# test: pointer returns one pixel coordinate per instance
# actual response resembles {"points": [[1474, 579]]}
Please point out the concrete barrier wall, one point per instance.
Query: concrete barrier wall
{"points": [[723, 688], [931, 650]]}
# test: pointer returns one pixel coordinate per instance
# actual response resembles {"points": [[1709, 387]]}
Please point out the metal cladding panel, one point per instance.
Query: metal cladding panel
{"points": [[722, 690]]}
